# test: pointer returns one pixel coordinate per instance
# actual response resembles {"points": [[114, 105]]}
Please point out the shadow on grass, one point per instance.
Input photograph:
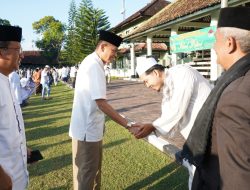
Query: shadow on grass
{"points": [[44, 113], [50, 164], [43, 122], [115, 143], [44, 147], [43, 105], [173, 177], [39, 133]]}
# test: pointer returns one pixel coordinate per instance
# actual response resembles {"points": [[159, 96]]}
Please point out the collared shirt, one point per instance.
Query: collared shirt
{"points": [[13, 152], [87, 120], [73, 72], [44, 77], [184, 92]]}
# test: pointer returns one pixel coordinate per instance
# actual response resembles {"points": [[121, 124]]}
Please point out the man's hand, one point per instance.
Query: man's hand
{"points": [[142, 130], [5, 180], [134, 129]]}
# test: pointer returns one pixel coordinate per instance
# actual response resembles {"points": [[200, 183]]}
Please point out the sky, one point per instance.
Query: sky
{"points": [[25, 12]]}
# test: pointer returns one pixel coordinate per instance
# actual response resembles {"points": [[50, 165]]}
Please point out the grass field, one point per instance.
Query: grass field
{"points": [[128, 163]]}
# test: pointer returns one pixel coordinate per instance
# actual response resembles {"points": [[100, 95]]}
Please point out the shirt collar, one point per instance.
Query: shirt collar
{"points": [[4, 77], [98, 58]]}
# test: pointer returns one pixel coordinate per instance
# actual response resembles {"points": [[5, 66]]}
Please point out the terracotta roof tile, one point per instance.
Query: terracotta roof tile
{"points": [[32, 53], [173, 11], [143, 46], [149, 10]]}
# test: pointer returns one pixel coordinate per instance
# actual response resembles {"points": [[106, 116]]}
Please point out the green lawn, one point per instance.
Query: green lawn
{"points": [[127, 163]]}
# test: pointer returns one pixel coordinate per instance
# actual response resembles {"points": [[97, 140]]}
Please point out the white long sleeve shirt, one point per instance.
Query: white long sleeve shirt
{"points": [[13, 152], [184, 92], [16, 86]]}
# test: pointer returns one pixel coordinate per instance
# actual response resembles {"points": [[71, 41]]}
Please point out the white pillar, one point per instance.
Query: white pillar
{"points": [[215, 69], [174, 56], [149, 45], [224, 3], [132, 58]]}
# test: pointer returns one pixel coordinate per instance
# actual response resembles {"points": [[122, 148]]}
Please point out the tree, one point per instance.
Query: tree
{"points": [[51, 33], [70, 53], [4, 22], [86, 24]]}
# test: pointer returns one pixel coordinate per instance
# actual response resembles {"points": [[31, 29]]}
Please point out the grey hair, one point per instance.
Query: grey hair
{"points": [[240, 35], [4, 44]]}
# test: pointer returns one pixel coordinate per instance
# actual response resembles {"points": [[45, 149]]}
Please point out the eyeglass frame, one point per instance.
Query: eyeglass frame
{"points": [[20, 50]]}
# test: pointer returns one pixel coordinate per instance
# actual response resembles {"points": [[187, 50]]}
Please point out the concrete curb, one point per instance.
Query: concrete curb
{"points": [[162, 144]]}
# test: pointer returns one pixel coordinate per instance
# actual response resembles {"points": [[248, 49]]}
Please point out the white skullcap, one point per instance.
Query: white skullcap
{"points": [[144, 63], [47, 66]]}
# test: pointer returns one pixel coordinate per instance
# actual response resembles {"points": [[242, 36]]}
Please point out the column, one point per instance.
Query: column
{"points": [[215, 69], [149, 46], [132, 60], [224, 3], [174, 56]]}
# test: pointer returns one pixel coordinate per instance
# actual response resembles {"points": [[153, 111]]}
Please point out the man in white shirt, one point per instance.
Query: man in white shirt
{"points": [[45, 82], [89, 107], [72, 75], [64, 74], [184, 92], [107, 74], [13, 150]]}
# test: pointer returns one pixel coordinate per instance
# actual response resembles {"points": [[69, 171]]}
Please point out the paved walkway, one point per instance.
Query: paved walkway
{"points": [[134, 100]]}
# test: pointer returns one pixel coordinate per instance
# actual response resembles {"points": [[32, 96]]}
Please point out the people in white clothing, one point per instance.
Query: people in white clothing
{"points": [[64, 74], [13, 150], [45, 82], [184, 92], [107, 73], [14, 79], [89, 107], [73, 72]]}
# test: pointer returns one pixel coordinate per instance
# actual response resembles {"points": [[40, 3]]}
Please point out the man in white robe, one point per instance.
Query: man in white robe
{"points": [[13, 150]]}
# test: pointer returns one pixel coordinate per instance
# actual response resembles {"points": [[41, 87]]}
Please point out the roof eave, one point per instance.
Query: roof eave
{"points": [[185, 18]]}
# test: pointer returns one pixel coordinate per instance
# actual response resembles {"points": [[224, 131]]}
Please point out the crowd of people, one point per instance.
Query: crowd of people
{"points": [[212, 125], [26, 81]]}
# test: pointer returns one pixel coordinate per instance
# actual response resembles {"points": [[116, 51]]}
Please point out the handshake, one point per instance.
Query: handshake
{"points": [[141, 130]]}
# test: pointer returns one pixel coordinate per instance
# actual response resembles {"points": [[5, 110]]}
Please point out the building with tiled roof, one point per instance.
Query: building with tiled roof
{"points": [[123, 64], [34, 59], [179, 17], [132, 22]]}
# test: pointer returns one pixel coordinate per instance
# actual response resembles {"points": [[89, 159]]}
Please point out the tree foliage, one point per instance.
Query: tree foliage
{"points": [[83, 27], [51, 33], [70, 53], [4, 22]]}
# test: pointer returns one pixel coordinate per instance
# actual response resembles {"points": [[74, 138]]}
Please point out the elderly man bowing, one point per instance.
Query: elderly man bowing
{"points": [[184, 92]]}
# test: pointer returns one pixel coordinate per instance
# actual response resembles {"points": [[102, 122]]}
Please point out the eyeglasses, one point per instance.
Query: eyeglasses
{"points": [[19, 50]]}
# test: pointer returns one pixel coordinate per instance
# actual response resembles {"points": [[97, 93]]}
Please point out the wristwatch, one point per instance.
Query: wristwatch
{"points": [[129, 124]]}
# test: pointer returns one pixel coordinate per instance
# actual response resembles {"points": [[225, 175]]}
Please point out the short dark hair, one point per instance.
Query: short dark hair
{"points": [[155, 67]]}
